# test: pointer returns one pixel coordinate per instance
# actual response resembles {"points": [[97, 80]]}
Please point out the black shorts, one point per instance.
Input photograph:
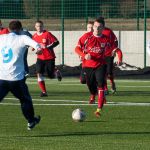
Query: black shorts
{"points": [[46, 66], [110, 65], [95, 77], [18, 88]]}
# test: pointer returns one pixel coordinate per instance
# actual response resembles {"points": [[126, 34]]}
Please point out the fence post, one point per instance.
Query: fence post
{"points": [[145, 28], [62, 29], [137, 15], [37, 9], [86, 11]]}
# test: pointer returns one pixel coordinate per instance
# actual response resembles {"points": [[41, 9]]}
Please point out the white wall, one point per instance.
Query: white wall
{"points": [[131, 44]]}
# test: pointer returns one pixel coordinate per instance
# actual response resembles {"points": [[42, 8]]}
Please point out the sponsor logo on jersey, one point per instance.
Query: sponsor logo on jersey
{"points": [[97, 50], [7, 54]]}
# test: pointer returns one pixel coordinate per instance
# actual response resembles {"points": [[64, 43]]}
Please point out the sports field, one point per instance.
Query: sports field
{"points": [[124, 124]]}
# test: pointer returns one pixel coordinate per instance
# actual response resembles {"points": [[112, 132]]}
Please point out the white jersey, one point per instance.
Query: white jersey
{"points": [[12, 49]]}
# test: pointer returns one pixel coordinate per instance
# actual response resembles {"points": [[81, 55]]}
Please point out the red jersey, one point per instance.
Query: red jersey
{"points": [[113, 40], [95, 46], [4, 31], [45, 39]]}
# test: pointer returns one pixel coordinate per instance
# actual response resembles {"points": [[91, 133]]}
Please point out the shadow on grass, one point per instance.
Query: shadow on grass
{"points": [[81, 93], [84, 134], [66, 93]]}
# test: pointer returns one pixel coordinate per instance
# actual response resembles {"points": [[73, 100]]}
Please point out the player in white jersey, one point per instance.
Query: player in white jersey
{"points": [[12, 49]]}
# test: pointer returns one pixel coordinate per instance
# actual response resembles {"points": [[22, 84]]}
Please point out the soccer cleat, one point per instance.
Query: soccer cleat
{"points": [[92, 102], [58, 75], [97, 112], [36, 120], [92, 99], [113, 88], [43, 94]]}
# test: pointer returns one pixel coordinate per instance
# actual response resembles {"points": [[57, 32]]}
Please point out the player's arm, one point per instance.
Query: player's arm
{"points": [[119, 56], [114, 42], [53, 41], [52, 45], [29, 42], [83, 55], [80, 49]]}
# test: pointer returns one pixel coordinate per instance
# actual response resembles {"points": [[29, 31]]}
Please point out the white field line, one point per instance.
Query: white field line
{"points": [[84, 103], [76, 80], [78, 84], [51, 100]]}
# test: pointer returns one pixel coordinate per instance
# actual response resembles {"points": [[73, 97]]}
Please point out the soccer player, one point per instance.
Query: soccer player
{"points": [[46, 61], [2, 29], [83, 74], [90, 26], [12, 51], [109, 55], [94, 65]]}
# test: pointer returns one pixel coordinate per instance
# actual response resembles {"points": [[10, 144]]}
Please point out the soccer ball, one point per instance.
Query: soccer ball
{"points": [[78, 115]]}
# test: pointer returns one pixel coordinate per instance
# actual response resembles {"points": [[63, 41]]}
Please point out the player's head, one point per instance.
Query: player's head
{"points": [[39, 26], [101, 20], [98, 26], [15, 26], [90, 26]]}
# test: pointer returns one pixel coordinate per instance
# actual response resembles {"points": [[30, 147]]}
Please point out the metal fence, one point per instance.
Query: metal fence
{"points": [[72, 15]]}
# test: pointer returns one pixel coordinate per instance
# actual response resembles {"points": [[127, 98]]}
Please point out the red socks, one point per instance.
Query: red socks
{"points": [[42, 86], [101, 97]]}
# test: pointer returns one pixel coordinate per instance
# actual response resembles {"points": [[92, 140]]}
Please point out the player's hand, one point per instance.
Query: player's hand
{"points": [[87, 56], [39, 51]]}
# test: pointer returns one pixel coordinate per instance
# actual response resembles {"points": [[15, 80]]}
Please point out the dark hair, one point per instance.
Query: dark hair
{"points": [[90, 22], [100, 20], [39, 21], [15, 25]]}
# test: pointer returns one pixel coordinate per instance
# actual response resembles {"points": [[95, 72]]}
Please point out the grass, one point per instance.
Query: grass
{"points": [[119, 128]]}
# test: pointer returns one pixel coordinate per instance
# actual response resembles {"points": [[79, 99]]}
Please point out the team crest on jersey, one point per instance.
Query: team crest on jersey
{"points": [[44, 40], [103, 45]]}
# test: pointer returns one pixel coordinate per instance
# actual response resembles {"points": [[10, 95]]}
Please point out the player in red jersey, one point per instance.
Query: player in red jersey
{"points": [[83, 74], [45, 61], [2, 29], [109, 55], [91, 47], [90, 26]]}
